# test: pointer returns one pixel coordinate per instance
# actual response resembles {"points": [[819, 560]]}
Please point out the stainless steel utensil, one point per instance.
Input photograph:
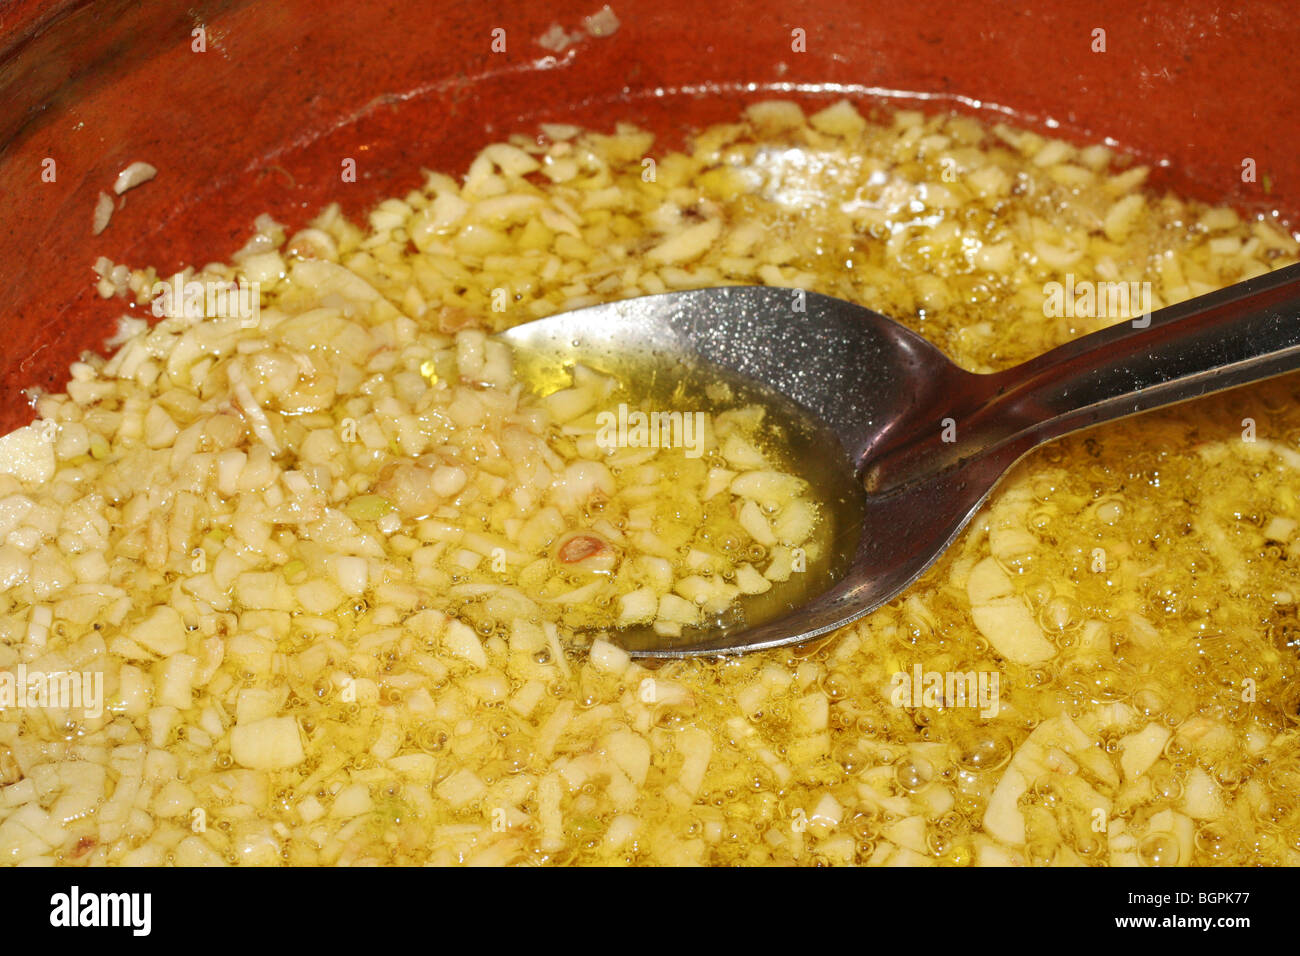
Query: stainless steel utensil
{"points": [[924, 441]]}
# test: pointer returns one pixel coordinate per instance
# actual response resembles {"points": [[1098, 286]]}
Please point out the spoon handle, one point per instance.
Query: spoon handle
{"points": [[1246, 332], [1243, 333]]}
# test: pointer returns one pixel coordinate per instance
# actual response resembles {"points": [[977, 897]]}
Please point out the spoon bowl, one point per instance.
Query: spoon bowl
{"points": [[905, 444]]}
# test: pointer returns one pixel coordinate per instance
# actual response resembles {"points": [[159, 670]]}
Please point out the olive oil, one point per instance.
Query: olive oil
{"points": [[659, 397]]}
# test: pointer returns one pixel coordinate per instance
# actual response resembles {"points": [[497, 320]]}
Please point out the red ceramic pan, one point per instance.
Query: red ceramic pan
{"points": [[261, 119]]}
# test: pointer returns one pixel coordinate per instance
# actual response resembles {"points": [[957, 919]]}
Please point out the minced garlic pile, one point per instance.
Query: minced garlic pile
{"points": [[280, 541]]}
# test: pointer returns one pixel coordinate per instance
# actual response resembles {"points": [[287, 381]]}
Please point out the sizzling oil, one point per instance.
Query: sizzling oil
{"points": [[1157, 555]]}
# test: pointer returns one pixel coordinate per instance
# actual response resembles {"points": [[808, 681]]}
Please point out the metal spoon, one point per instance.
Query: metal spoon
{"points": [[923, 441]]}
